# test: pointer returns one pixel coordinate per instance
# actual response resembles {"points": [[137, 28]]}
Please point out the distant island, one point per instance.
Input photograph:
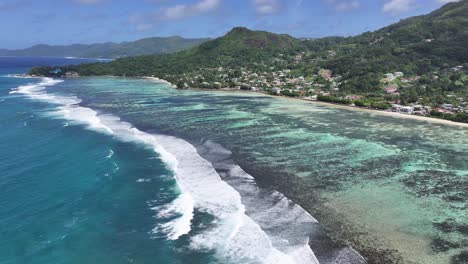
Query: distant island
{"points": [[417, 66], [109, 50]]}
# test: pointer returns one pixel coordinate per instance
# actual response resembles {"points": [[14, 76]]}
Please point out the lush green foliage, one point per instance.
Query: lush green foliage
{"points": [[415, 46], [425, 48], [459, 117], [333, 99], [367, 102], [238, 48]]}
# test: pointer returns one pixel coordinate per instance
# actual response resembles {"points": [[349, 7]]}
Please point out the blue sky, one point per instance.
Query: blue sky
{"points": [[28, 22]]}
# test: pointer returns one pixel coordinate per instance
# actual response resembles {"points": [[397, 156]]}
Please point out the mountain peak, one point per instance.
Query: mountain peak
{"points": [[259, 39], [239, 30]]}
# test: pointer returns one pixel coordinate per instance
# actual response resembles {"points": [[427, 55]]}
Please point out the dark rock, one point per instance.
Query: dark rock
{"points": [[441, 245], [461, 258]]}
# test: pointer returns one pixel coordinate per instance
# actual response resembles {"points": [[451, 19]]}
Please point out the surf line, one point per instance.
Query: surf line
{"points": [[234, 235]]}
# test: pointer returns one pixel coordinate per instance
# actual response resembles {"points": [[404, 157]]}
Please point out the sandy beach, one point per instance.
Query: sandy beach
{"points": [[332, 105], [391, 114], [159, 80]]}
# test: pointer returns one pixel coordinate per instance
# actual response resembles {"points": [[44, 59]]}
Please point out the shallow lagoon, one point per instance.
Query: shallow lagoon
{"points": [[383, 182]]}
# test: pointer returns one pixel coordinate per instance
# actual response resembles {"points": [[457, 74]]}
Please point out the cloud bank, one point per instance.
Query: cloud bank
{"points": [[188, 10]]}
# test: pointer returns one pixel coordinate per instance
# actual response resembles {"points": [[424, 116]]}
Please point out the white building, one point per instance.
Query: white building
{"points": [[276, 90], [390, 76], [406, 109], [396, 107], [447, 106]]}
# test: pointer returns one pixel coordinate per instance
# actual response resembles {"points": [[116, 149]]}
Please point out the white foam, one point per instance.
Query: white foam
{"points": [[233, 235], [22, 76], [110, 154], [287, 224], [143, 180]]}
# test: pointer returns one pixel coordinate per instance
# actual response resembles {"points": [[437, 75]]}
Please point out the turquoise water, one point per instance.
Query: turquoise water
{"points": [[396, 184], [115, 170], [71, 195], [80, 185]]}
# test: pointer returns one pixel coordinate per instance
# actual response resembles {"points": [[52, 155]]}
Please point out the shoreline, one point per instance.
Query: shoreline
{"points": [[156, 79], [427, 119], [337, 232], [335, 223]]}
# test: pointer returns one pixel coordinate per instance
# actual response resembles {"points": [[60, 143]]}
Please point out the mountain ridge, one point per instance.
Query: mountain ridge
{"points": [[110, 50], [424, 47], [413, 45]]}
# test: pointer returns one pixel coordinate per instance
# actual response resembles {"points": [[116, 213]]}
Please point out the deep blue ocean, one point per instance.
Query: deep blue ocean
{"points": [[74, 195]]}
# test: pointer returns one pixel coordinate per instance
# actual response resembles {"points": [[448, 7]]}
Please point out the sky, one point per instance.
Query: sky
{"points": [[62, 22]]}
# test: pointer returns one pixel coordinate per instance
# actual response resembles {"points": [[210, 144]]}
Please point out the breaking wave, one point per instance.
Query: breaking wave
{"points": [[237, 233]]}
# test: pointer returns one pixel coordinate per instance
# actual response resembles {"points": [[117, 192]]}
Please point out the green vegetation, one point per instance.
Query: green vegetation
{"points": [[333, 99], [458, 117], [157, 45], [240, 47], [375, 103], [419, 61], [415, 46]]}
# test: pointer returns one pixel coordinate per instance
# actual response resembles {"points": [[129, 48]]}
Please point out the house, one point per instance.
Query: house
{"points": [[419, 110], [399, 74], [447, 106], [407, 110], [457, 68], [391, 89], [390, 77], [276, 90], [396, 108], [443, 111]]}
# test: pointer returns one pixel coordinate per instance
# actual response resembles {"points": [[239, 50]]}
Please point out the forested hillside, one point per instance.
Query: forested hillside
{"points": [[156, 45], [420, 60]]}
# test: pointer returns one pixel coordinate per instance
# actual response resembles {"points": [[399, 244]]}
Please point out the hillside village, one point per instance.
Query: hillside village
{"points": [[325, 86], [417, 66]]}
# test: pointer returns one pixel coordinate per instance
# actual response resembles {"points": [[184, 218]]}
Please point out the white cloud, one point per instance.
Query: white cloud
{"points": [[447, 1], [344, 5], [266, 7], [176, 12], [395, 7], [183, 11]]}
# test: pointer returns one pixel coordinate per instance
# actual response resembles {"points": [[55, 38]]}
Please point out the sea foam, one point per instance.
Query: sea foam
{"points": [[233, 235]]}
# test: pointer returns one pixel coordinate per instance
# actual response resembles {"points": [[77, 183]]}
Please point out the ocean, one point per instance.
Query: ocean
{"points": [[126, 170]]}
